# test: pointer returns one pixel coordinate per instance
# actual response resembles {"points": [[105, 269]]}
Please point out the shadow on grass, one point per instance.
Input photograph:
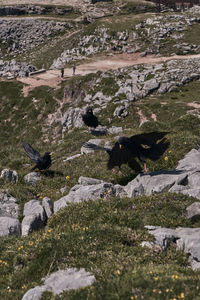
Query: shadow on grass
{"points": [[51, 173]]}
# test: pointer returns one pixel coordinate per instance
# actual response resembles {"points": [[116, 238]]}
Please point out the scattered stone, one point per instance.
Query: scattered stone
{"points": [[63, 190], [193, 211], [72, 157], [120, 112], [115, 130], [60, 281], [98, 142], [32, 178], [9, 226], [187, 239], [9, 175], [8, 205]]}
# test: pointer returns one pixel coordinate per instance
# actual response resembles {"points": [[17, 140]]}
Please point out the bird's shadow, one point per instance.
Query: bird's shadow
{"points": [[97, 132], [163, 172], [124, 180], [51, 173]]}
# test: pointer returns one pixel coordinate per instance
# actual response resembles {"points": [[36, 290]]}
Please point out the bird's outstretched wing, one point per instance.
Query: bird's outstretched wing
{"points": [[33, 154], [157, 150], [148, 139]]}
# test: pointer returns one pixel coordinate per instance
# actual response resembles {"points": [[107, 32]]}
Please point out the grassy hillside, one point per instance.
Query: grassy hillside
{"points": [[102, 236]]}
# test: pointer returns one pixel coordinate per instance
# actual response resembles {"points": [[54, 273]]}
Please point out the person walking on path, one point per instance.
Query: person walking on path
{"points": [[62, 72], [74, 68]]}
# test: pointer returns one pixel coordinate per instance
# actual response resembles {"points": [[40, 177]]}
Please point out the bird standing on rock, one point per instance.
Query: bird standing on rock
{"points": [[90, 119], [127, 148], [42, 163]]}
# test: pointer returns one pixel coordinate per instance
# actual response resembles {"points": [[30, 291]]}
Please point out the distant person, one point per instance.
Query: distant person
{"points": [[62, 72], [74, 68]]}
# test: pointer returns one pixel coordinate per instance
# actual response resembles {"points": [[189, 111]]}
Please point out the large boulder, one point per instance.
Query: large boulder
{"points": [[35, 217]]}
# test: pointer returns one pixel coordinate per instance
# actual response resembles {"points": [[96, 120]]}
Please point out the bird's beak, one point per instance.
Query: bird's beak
{"points": [[120, 146]]}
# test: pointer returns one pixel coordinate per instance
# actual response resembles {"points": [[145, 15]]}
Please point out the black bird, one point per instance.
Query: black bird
{"points": [[90, 119], [42, 163], [127, 148]]}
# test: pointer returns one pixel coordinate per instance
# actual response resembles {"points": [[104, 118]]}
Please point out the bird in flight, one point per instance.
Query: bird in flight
{"points": [[42, 162], [141, 146], [90, 119]]}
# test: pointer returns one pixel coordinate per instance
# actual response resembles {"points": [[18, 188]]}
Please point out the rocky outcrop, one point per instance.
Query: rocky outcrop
{"points": [[60, 281], [72, 118], [89, 189], [19, 10], [187, 239], [13, 69], [19, 36]]}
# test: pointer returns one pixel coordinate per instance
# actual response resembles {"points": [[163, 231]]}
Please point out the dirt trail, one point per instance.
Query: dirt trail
{"points": [[52, 77]]}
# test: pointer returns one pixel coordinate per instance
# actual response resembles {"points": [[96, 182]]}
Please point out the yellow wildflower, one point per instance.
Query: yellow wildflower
{"points": [[167, 290], [174, 276], [118, 272], [24, 286], [21, 247], [182, 296], [166, 158], [50, 230], [67, 177], [155, 278], [169, 151], [31, 243]]}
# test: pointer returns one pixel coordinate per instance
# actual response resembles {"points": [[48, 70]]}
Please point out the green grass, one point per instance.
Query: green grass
{"points": [[104, 237]]}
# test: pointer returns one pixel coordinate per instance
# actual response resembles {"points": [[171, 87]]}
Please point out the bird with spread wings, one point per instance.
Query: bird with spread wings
{"points": [[142, 146]]}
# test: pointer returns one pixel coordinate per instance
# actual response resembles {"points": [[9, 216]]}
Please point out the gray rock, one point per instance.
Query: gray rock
{"points": [[72, 157], [88, 181], [63, 190], [72, 118], [9, 226], [151, 85], [192, 193], [100, 130], [193, 211], [187, 239], [120, 112], [60, 281], [47, 204], [115, 130], [32, 178], [8, 205], [190, 162], [9, 175], [34, 207], [31, 223], [35, 216], [157, 182], [98, 142], [35, 293]]}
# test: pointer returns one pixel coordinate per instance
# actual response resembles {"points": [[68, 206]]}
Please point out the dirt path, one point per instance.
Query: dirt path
{"points": [[112, 62]]}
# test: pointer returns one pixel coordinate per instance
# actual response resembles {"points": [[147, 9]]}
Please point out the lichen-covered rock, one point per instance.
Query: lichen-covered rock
{"points": [[32, 178], [9, 226]]}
